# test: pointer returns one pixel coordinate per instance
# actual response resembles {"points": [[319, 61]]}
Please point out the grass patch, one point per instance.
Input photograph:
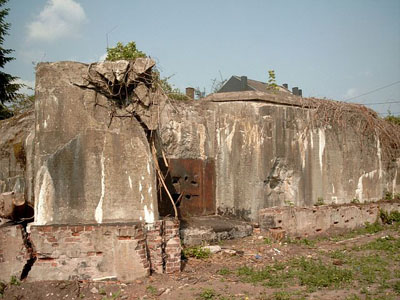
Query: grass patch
{"points": [[316, 274], [386, 243], [370, 268], [369, 228], [307, 272]]}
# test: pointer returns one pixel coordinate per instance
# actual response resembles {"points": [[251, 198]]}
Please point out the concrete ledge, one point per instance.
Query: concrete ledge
{"points": [[311, 221], [197, 230]]}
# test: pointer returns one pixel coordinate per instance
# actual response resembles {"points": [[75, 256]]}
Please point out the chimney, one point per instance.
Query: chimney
{"points": [[243, 81], [295, 90], [285, 85], [300, 92], [190, 92]]}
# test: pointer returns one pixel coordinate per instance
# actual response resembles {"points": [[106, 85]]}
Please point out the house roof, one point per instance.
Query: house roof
{"points": [[235, 84]]}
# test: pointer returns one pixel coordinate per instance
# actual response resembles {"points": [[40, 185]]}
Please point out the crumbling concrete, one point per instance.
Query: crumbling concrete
{"points": [[311, 221]]}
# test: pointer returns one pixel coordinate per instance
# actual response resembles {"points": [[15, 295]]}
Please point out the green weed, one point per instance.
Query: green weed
{"points": [[197, 252], [14, 281], [207, 294], [151, 289], [320, 201], [224, 271]]}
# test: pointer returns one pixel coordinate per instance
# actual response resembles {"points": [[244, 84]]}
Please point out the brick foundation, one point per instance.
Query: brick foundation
{"points": [[88, 252]]}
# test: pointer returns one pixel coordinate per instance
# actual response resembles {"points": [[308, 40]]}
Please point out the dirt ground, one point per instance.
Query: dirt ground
{"points": [[364, 264]]}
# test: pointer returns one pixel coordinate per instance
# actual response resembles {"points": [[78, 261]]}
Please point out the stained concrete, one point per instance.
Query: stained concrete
{"points": [[265, 155], [88, 166]]}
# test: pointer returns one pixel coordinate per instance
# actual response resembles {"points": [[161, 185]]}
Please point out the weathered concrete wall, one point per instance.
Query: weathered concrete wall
{"points": [[88, 166], [307, 221], [265, 156], [15, 150]]}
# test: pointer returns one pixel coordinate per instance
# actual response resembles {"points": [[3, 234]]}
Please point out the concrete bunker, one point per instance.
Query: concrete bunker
{"points": [[109, 155]]}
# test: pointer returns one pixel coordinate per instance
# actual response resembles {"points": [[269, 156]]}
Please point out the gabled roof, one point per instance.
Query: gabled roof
{"points": [[234, 84]]}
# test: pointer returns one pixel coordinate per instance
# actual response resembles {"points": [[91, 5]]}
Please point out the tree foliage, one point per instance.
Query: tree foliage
{"points": [[8, 87], [121, 51]]}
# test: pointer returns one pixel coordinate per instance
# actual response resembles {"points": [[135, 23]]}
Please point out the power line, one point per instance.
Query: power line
{"points": [[378, 103], [373, 91]]}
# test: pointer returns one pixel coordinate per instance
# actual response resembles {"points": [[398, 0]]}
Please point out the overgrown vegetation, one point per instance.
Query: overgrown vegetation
{"points": [[389, 218], [131, 52], [364, 121]]}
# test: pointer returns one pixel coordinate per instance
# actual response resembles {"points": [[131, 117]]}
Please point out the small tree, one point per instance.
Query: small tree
{"points": [[8, 87]]}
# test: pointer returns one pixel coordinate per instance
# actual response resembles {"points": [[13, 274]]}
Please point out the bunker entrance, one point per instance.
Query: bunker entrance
{"points": [[191, 183]]}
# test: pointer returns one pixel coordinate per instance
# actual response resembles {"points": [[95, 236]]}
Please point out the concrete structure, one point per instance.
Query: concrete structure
{"points": [[266, 154]]}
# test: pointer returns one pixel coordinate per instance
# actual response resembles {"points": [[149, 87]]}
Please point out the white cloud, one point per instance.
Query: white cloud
{"points": [[28, 88], [351, 92], [58, 19]]}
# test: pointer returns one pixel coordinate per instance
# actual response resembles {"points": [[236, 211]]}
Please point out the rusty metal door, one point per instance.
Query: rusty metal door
{"points": [[192, 185]]}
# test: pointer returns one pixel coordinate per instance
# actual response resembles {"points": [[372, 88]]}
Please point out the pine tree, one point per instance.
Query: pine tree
{"points": [[8, 87]]}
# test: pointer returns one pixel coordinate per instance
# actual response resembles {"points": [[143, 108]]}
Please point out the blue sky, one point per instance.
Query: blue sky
{"points": [[330, 48]]}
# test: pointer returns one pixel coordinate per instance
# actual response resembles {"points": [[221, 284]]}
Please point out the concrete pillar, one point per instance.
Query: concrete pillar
{"points": [[190, 92]]}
